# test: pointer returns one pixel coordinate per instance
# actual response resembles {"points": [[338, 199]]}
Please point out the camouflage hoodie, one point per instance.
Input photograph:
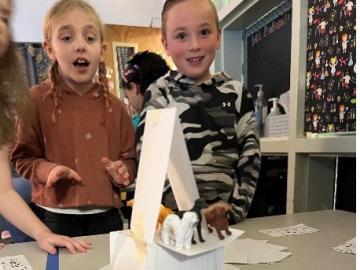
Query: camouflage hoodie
{"points": [[219, 126]]}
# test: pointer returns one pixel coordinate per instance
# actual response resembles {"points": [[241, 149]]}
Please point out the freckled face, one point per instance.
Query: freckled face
{"points": [[192, 38]]}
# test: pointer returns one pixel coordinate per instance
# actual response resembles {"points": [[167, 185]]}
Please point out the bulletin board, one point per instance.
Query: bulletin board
{"points": [[330, 94], [122, 52]]}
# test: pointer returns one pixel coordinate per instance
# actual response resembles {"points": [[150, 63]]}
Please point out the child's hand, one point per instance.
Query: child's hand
{"points": [[117, 170], [48, 241], [61, 172]]}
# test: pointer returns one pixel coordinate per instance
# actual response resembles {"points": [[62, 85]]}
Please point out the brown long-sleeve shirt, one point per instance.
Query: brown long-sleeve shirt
{"points": [[84, 131]]}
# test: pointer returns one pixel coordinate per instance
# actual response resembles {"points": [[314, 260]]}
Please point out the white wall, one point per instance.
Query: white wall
{"points": [[28, 15]]}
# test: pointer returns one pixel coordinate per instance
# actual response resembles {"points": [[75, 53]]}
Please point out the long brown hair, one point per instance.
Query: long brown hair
{"points": [[170, 3], [60, 8], [14, 99]]}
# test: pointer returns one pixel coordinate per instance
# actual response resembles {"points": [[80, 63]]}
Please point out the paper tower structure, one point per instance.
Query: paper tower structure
{"points": [[163, 153]]}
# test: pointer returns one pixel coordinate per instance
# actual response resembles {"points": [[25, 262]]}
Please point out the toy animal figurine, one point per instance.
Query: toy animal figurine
{"points": [[169, 229], [185, 232], [179, 231], [198, 206], [216, 217], [163, 212]]}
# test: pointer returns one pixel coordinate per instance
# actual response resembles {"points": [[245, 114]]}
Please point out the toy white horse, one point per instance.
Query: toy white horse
{"points": [[179, 230]]}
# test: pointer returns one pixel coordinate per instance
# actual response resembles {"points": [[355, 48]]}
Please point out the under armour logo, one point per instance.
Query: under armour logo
{"points": [[226, 104]]}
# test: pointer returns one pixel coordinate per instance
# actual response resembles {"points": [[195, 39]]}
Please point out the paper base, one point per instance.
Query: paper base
{"points": [[202, 256]]}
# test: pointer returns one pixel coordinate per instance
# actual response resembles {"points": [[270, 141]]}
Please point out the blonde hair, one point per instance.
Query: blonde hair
{"points": [[60, 8], [170, 3]]}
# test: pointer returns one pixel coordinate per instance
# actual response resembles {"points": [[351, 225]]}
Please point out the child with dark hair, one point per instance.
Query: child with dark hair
{"points": [[143, 69]]}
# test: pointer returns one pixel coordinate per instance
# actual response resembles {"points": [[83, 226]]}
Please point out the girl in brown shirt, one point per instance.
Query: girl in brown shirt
{"points": [[13, 101], [79, 146]]}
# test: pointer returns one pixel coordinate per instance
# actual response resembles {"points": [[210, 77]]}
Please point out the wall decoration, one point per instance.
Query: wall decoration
{"points": [[35, 60], [330, 97], [122, 53]]}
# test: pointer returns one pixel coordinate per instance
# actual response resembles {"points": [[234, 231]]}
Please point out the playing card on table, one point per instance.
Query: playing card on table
{"points": [[349, 247], [291, 230], [18, 262]]}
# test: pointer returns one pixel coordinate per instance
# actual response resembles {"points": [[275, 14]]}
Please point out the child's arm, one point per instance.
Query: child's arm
{"points": [[248, 166], [28, 152], [24, 218]]}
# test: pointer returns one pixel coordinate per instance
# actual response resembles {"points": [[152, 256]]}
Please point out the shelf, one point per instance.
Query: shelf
{"points": [[274, 145], [336, 145], [339, 145], [311, 170]]}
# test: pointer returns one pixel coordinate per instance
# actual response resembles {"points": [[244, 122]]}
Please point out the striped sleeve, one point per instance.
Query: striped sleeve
{"points": [[248, 166]]}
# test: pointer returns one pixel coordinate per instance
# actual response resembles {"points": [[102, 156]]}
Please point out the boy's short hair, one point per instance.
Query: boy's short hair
{"points": [[169, 3]]}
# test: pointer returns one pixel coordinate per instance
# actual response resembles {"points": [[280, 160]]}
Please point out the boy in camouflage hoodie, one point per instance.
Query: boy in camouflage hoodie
{"points": [[216, 113]]}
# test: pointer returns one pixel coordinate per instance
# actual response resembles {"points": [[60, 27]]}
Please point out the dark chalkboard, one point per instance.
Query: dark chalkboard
{"points": [[268, 57]]}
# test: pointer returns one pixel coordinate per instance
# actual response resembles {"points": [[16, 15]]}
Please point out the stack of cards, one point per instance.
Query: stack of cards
{"points": [[250, 251], [348, 248], [292, 230], [18, 262]]}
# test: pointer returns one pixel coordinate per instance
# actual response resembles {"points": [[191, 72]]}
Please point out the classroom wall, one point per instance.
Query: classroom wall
{"points": [[147, 38], [28, 15]]}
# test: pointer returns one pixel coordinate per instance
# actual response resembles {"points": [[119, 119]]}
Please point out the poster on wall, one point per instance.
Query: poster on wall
{"points": [[122, 53], [330, 94], [35, 60]]}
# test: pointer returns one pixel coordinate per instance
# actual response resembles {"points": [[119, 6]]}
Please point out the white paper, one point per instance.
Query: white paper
{"points": [[249, 251], [163, 151], [180, 172], [349, 247], [155, 152], [298, 229], [17, 262]]}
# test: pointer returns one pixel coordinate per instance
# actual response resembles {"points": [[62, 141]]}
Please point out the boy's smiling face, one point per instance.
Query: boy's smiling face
{"points": [[192, 38], [4, 26]]}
